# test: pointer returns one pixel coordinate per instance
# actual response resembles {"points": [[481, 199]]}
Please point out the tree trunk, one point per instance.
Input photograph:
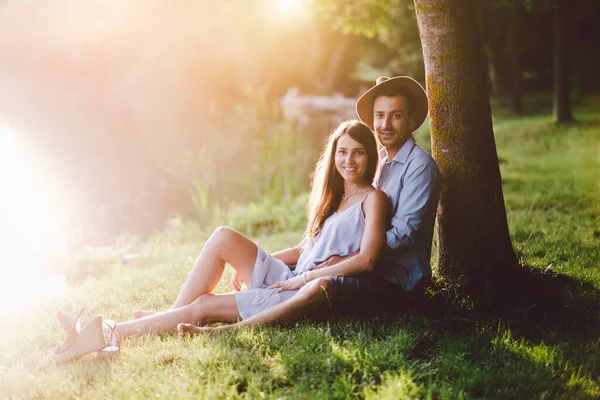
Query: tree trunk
{"points": [[333, 66], [472, 230], [562, 86], [512, 47], [491, 48], [492, 72]]}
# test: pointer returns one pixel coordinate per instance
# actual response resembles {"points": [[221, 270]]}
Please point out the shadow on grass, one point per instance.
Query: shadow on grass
{"points": [[531, 302], [528, 334]]}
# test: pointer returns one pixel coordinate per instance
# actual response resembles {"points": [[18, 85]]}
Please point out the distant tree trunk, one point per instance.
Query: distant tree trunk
{"points": [[472, 230], [512, 44], [562, 85], [333, 66], [492, 72], [490, 47], [492, 22]]}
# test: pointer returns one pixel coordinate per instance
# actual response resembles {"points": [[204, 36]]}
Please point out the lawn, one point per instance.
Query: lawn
{"points": [[552, 191]]}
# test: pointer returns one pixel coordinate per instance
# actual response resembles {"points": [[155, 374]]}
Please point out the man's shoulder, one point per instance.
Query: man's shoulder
{"points": [[418, 156], [421, 163]]}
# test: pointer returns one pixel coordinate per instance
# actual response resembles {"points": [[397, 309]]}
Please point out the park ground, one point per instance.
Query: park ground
{"points": [[552, 192]]}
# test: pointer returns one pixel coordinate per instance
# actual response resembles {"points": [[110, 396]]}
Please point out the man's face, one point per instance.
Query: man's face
{"points": [[392, 121]]}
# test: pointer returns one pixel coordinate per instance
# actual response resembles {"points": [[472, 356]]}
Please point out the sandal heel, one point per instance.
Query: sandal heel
{"points": [[89, 339], [69, 324]]}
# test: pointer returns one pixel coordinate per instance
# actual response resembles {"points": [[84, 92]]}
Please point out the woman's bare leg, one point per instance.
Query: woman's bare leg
{"points": [[205, 308], [311, 298], [225, 245], [142, 313]]}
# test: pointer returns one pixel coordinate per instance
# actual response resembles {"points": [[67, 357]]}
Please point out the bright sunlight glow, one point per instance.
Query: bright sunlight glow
{"points": [[291, 7], [30, 231]]}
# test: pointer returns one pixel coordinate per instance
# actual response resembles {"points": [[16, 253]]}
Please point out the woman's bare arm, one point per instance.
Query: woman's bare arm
{"points": [[290, 256]]}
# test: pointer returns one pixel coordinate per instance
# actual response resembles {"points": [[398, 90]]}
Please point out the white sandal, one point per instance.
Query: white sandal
{"points": [[110, 338], [83, 338], [90, 338]]}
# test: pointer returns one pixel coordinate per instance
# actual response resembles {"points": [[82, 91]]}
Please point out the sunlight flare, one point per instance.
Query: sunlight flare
{"points": [[291, 7], [30, 232]]}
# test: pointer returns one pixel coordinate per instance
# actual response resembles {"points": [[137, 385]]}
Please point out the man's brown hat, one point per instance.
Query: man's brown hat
{"points": [[364, 105]]}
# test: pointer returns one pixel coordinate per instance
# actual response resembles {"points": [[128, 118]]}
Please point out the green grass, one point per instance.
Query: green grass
{"points": [[552, 193], [552, 188]]}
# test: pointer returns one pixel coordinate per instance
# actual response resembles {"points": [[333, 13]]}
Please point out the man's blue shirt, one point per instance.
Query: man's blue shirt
{"points": [[412, 182]]}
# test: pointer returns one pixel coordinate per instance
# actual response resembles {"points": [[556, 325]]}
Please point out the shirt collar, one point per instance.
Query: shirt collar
{"points": [[402, 154]]}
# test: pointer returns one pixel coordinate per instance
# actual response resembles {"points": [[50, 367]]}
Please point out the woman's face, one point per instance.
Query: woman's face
{"points": [[351, 159]]}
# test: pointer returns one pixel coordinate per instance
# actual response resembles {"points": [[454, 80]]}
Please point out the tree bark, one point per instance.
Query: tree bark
{"points": [[562, 84], [472, 230]]}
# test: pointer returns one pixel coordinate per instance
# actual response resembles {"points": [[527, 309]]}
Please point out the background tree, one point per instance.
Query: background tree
{"points": [[562, 83], [472, 230], [391, 44], [502, 28], [494, 25], [513, 34]]}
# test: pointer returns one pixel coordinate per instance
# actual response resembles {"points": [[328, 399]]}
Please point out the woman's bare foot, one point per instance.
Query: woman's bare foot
{"points": [[142, 313], [191, 329]]}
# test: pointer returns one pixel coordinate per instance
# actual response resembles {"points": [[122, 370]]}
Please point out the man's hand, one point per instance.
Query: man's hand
{"points": [[294, 283], [236, 284], [330, 261]]}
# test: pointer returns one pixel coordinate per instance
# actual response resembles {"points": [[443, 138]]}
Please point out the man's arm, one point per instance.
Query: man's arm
{"points": [[418, 195]]}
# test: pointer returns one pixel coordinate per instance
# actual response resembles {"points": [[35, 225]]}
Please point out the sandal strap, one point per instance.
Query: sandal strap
{"points": [[110, 332]]}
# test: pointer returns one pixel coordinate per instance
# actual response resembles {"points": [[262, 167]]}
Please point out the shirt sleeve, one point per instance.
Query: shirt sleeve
{"points": [[419, 193]]}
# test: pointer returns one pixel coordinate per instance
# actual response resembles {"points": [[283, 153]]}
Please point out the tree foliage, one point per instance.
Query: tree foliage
{"points": [[393, 46]]}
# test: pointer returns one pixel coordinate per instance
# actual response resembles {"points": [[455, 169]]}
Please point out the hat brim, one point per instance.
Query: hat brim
{"points": [[364, 105]]}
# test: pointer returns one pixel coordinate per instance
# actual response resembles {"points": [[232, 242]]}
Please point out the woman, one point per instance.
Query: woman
{"points": [[342, 200]]}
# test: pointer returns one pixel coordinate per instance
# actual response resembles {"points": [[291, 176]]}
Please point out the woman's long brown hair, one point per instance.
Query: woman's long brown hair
{"points": [[328, 185]]}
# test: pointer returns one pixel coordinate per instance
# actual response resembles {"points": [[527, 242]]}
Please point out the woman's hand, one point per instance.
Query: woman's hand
{"points": [[236, 283], [332, 260], [294, 283]]}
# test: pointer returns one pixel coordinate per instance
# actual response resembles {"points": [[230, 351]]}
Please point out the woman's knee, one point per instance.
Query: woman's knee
{"points": [[209, 308], [222, 232], [317, 287], [324, 283], [197, 308], [222, 236]]}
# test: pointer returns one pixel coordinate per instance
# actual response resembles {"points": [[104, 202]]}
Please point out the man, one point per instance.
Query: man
{"points": [[394, 108]]}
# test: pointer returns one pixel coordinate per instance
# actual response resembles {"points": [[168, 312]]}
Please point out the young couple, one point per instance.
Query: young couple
{"points": [[364, 244]]}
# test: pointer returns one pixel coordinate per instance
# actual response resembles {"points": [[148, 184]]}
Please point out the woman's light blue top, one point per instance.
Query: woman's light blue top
{"points": [[340, 235]]}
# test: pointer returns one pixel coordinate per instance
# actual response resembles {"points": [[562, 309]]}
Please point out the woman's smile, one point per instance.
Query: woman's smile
{"points": [[351, 159]]}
